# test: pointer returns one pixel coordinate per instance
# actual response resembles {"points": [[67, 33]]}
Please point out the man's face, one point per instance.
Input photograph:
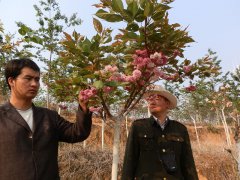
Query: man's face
{"points": [[157, 103], [26, 85]]}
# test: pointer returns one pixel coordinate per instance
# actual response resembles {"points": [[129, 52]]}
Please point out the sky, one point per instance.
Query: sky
{"points": [[213, 24]]}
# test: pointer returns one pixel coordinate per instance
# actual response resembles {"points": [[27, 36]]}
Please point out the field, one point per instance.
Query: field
{"points": [[87, 161]]}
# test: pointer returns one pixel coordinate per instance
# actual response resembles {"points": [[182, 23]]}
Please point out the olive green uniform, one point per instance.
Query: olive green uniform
{"points": [[150, 151]]}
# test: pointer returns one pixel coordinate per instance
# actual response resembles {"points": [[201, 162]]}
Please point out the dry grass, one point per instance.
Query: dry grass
{"points": [[213, 162], [78, 163]]}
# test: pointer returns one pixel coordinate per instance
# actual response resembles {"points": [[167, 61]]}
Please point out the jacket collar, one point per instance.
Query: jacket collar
{"points": [[13, 115], [155, 123]]}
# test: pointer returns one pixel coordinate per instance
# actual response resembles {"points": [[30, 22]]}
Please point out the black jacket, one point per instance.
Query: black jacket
{"points": [[154, 154], [27, 155]]}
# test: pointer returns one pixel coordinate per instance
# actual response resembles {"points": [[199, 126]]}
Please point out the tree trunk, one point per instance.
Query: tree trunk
{"points": [[103, 129], [126, 125], [149, 113], [47, 96], [226, 128], [195, 127], [116, 143], [238, 156], [218, 117]]}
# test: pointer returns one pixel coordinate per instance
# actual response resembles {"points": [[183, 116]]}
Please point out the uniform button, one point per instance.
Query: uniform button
{"points": [[163, 150], [30, 136], [164, 178], [145, 135], [163, 136]]}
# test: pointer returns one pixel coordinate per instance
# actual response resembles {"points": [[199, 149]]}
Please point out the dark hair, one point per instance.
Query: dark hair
{"points": [[14, 67]]}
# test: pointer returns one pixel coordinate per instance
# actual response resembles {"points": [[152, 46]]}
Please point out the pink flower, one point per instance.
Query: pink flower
{"points": [[154, 78], [187, 69], [141, 83], [137, 74], [88, 93], [158, 72], [156, 55], [159, 59], [128, 88], [94, 109], [191, 88], [107, 89], [142, 53], [110, 68], [116, 77], [150, 65], [168, 78], [146, 74], [130, 79], [141, 62], [177, 53]]}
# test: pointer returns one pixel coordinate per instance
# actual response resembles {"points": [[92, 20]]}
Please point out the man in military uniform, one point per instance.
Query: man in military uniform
{"points": [[159, 148]]}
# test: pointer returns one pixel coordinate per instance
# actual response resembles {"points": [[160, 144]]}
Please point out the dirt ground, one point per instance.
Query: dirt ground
{"points": [[214, 160]]}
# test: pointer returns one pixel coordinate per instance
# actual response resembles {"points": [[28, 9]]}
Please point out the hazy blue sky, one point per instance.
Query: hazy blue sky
{"points": [[213, 24]]}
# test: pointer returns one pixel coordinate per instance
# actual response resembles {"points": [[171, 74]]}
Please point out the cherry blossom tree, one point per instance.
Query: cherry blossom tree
{"points": [[114, 71]]}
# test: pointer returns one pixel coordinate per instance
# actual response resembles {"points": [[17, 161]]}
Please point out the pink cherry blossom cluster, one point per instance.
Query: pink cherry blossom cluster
{"points": [[62, 106], [110, 68], [108, 89], [150, 65], [142, 60], [120, 77], [159, 59], [145, 66], [136, 75], [88, 93], [187, 69], [94, 109], [191, 88]]}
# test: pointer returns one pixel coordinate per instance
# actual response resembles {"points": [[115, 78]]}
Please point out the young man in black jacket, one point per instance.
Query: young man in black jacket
{"points": [[29, 135]]}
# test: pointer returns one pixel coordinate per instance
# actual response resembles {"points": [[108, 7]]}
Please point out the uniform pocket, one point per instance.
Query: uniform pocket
{"points": [[175, 138], [146, 141], [176, 142]]}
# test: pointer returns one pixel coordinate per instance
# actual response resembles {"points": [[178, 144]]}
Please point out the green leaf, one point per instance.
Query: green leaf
{"points": [[94, 47], [109, 39], [148, 10], [158, 15], [36, 39], [133, 8], [162, 7], [129, 1], [97, 25], [111, 83], [86, 45], [22, 31], [98, 84], [110, 17], [142, 3], [117, 5], [140, 16], [127, 15], [75, 35], [130, 35], [132, 27]]}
